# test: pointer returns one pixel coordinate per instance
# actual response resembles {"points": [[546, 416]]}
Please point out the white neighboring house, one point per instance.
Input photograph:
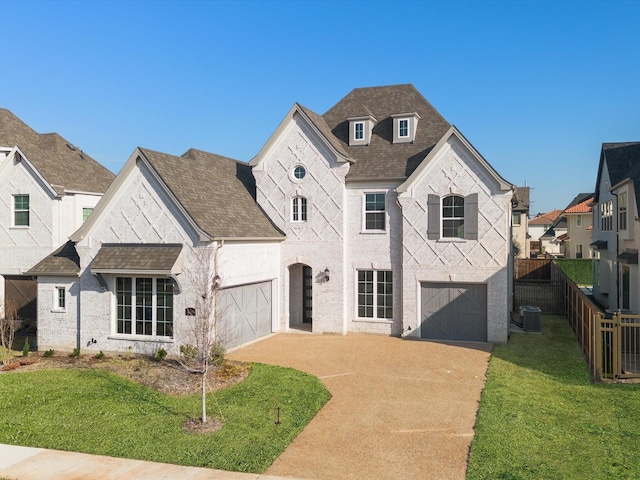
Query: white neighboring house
{"points": [[394, 223], [520, 222], [539, 225], [579, 227], [616, 229], [48, 187], [122, 281]]}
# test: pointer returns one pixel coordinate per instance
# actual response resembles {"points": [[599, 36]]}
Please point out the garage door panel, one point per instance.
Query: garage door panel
{"points": [[246, 313], [454, 312]]}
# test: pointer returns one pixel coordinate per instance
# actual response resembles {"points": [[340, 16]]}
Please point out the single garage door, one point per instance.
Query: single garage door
{"points": [[246, 313], [454, 311]]}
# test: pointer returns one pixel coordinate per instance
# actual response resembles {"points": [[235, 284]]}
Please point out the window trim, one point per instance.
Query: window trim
{"points": [[133, 305], [375, 294], [294, 177], [301, 210], [400, 127], [57, 307], [365, 212], [579, 221], [622, 211], [358, 128], [454, 219], [15, 210], [513, 219]]}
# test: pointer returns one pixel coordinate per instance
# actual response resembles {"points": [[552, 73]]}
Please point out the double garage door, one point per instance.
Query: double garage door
{"points": [[246, 313], [454, 311]]}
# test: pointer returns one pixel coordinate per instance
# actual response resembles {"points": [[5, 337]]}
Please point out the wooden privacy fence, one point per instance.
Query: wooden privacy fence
{"points": [[610, 345]]}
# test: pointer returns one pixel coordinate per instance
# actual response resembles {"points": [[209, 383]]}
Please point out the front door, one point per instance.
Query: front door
{"points": [[307, 294]]}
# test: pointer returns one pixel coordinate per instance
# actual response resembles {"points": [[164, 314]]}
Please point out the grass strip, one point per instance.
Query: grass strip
{"points": [[540, 416], [97, 412]]}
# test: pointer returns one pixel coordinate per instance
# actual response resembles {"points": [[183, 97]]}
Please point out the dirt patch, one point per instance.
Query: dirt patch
{"points": [[166, 376]]}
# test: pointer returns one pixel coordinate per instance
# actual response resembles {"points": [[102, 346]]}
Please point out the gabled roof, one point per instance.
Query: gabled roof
{"points": [[580, 204], [521, 199], [382, 159], [217, 192], [623, 162], [63, 166], [545, 218]]}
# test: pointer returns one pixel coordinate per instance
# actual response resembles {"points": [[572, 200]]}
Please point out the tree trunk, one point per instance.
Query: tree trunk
{"points": [[204, 397]]}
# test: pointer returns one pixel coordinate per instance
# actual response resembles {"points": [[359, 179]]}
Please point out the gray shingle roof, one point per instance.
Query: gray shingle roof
{"points": [[382, 159], [217, 192], [521, 199], [64, 262], [62, 165], [136, 257]]}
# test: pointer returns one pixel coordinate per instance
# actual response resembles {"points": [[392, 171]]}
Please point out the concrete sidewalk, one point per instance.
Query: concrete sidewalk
{"points": [[25, 463]]}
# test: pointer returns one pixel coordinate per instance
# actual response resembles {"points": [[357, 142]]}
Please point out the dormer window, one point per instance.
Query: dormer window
{"points": [[360, 129], [404, 127]]}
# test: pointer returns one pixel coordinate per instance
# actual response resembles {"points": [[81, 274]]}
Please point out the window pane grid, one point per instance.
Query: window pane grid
{"points": [[453, 217], [359, 131], [374, 211], [21, 210], [153, 300], [375, 298], [299, 209], [124, 303], [403, 129]]}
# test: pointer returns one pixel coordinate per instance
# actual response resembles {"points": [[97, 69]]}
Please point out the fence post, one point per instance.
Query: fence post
{"points": [[598, 348], [617, 344]]}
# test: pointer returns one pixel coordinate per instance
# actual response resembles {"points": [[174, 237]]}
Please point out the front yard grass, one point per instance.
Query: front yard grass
{"points": [[540, 416], [98, 412]]}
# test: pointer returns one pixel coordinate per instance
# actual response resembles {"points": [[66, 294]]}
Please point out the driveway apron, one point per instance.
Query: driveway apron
{"points": [[400, 408]]}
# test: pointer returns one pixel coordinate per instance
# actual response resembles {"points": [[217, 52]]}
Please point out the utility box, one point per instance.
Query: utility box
{"points": [[530, 318]]}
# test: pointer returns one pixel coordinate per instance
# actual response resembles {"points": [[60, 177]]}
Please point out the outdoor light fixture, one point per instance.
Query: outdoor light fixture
{"points": [[326, 274]]}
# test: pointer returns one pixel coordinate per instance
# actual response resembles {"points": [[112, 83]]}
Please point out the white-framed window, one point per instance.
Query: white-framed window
{"points": [[86, 211], [622, 211], [579, 221], [453, 217], [358, 131], [375, 211], [578, 251], [299, 209], [60, 299], [299, 172], [606, 216], [403, 128], [375, 294], [144, 306], [21, 211], [516, 219]]}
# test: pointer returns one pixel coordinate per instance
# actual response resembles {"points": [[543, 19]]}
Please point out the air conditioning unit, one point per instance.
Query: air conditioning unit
{"points": [[530, 318]]}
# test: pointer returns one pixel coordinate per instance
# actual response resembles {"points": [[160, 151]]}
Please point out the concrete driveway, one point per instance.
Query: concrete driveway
{"points": [[400, 409]]}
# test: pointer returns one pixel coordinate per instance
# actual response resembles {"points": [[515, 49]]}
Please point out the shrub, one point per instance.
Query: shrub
{"points": [[49, 353], [217, 354], [10, 366], [160, 355], [99, 355], [75, 352], [25, 347]]}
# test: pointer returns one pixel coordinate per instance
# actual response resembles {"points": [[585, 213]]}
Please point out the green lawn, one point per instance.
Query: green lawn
{"points": [[541, 417], [94, 411], [578, 270]]}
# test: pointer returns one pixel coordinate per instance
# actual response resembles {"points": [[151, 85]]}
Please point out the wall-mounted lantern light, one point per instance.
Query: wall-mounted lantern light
{"points": [[326, 274]]}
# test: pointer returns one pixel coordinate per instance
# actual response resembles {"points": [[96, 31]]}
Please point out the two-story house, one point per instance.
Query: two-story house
{"points": [[48, 187], [520, 222], [616, 230], [538, 227], [378, 216], [577, 243]]}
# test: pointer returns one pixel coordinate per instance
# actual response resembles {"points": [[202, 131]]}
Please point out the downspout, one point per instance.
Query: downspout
{"points": [[401, 276], [617, 251]]}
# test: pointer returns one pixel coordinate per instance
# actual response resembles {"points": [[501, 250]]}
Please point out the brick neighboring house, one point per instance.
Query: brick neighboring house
{"points": [[395, 223], [48, 187], [520, 222], [577, 243], [616, 230]]}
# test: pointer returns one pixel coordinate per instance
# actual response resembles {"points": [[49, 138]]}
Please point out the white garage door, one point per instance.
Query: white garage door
{"points": [[454, 312], [246, 313]]}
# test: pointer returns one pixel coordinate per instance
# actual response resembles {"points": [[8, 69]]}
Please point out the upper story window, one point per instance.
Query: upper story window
{"points": [[360, 129], [299, 209], [86, 211], [453, 217], [606, 216], [144, 306], [21, 210], [516, 219], [404, 127], [299, 172], [579, 221], [374, 211], [622, 211]]}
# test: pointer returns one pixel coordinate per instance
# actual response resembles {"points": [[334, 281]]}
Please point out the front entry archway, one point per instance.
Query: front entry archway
{"points": [[300, 296]]}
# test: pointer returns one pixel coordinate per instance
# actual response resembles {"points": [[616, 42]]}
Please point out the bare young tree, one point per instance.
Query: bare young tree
{"points": [[205, 347], [8, 327]]}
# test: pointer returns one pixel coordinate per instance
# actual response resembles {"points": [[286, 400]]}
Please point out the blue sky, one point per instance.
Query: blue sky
{"points": [[535, 86]]}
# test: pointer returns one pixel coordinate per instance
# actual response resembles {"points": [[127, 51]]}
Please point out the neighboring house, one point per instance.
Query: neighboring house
{"points": [[520, 222], [577, 243], [552, 241], [48, 187], [125, 280], [539, 225], [616, 231], [394, 222]]}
